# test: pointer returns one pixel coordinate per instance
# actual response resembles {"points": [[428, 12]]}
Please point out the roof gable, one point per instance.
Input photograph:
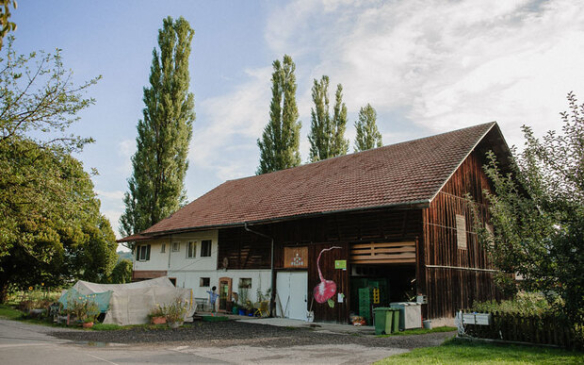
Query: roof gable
{"points": [[396, 175]]}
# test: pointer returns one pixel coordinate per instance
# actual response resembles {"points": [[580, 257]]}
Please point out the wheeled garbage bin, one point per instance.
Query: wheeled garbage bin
{"points": [[384, 317]]}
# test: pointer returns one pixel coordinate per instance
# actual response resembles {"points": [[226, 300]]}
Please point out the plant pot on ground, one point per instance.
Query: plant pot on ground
{"points": [[158, 320]]}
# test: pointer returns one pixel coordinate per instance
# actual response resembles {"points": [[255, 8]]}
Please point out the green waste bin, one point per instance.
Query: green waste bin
{"points": [[383, 320], [395, 314]]}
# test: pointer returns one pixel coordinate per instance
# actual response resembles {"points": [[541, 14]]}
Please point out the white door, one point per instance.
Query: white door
{"points": [[292, 289]]}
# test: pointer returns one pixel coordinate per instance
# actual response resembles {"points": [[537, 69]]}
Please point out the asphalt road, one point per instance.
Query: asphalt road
{"points": [[22, 343]]}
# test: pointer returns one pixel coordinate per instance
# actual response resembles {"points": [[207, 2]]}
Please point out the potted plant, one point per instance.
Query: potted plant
{"points": [[244, 302], [88, 322], [84, 310], [236, 305], [175, 312], [158, 315]]}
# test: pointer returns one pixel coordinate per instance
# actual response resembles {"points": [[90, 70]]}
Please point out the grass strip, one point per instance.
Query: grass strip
{"points": [[463, 352]]}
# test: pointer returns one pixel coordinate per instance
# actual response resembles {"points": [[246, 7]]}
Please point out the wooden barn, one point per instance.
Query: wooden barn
{"points": [[390, 225]]}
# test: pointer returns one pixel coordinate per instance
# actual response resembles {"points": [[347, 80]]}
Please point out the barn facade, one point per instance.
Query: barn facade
{"points": [[341, 236]]}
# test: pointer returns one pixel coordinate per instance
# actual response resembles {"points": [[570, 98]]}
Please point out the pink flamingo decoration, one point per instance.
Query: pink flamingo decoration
{"points": [[326, 289]]}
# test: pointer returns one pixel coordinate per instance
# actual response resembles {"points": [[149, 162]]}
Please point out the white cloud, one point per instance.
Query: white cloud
{"points": [[444, 64], [230, 124], [115, 196], [126, 150]]}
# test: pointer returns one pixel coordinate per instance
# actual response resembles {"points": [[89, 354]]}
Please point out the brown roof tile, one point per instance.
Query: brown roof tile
{"points": [[400, 174]]}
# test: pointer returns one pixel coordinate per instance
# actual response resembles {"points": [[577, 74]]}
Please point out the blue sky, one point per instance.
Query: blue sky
{"points": [[426, 66]]}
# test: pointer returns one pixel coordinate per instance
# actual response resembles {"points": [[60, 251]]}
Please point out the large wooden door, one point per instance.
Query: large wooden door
{"points": [[292, 287]]}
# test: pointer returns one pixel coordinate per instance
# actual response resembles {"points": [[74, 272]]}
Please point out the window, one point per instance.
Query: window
{"points": [[245, 283], [206, 248], [143, 253], [175, 246], [191, 250], [461, 232], [205, 282], [163, 248]]}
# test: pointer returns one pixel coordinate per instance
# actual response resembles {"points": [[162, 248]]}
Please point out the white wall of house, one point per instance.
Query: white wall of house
{"points": [[157, 261], [172, 252], [188, 268], [260, 279]]}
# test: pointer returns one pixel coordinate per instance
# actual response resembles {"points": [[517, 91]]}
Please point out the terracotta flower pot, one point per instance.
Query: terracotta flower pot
{"points": [[87, 324], [158, 320]]}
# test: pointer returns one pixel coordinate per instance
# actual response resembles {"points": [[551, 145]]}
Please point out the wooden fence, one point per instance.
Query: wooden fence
{"points": [[534, 329]]}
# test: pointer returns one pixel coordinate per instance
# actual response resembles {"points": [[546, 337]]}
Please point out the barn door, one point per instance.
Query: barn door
{"points": [[292, 288]]}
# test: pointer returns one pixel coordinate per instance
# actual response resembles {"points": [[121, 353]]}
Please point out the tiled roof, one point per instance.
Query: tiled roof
{"points": [[400, 174]]}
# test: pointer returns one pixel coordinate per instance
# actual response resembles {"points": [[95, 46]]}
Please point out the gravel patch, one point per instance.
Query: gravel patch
{"points": [[232, 333]]}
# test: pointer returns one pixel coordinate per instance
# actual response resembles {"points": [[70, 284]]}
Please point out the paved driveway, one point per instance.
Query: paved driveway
{"points": [[22, 343]]}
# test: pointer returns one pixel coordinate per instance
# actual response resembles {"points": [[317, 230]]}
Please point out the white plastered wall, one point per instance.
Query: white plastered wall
{"points": [[189, 271], [260, 279]]}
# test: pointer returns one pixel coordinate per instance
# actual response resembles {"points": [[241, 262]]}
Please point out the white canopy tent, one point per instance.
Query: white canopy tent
{"points": [[131, 303]]}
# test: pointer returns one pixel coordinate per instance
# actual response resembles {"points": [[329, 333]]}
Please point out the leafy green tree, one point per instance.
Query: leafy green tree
{"points": [[279, 147], [5, 24], [537, 210], [40, 99], [122, 272], [368, 135], [327, 133], [156, 188], [51, 230]]}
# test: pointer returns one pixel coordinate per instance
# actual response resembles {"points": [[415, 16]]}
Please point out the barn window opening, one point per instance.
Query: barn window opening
{"points": [[461, 232]]}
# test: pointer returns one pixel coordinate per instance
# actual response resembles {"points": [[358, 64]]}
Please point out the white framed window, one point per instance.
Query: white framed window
{"points": [[175, 246], [163, 248], [461, 232], [143, 253], [192, 250], [206, 248]]}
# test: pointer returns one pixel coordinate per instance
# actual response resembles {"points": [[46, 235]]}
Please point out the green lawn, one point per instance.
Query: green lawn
{"points": [[8, 312], [464, 352], [420, 331]]}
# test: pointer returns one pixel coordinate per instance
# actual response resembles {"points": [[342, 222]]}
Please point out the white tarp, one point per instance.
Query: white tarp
{"points": [[131, 303]]}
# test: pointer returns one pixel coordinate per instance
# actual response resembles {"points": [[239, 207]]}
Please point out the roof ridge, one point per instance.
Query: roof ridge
{"points": [[360, 152]]}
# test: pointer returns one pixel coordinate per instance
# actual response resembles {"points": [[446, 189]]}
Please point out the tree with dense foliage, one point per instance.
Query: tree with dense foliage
{"points": [[327, 133], [537, 210], [5, 24], [368, 135], [122, 272], [156, 188], [51, 230], [280, 143]]}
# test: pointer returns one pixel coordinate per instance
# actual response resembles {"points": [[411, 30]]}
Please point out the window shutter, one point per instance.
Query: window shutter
{"points": [[147, 252], [137, 248]]}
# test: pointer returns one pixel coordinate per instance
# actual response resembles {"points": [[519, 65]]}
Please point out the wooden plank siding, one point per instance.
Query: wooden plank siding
{"points": [[249, 251], [462, 275], [384, 253]]}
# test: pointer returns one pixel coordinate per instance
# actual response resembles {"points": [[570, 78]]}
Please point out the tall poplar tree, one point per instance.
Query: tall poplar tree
{"points": [[368, 135], [156, 188], [327, 133], [280, 143]]}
